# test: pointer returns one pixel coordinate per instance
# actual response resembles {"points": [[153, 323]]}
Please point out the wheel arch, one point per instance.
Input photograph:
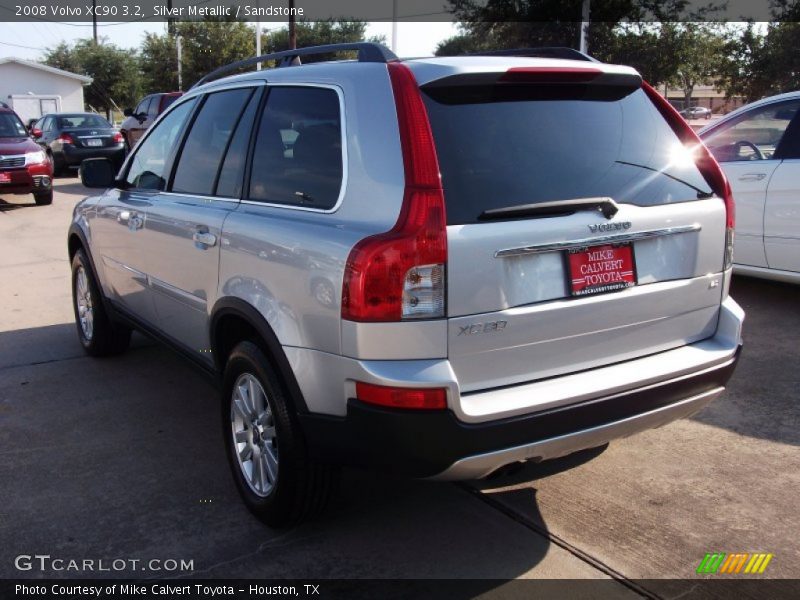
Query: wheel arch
{"points": [[76, 240], [234, 320]]}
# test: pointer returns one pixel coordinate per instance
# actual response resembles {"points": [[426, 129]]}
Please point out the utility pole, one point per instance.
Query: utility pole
{"points": [[258, 37], [94, 21], [292, 29], [179, 45], [170, 20], [584, 43], [394, 26]]}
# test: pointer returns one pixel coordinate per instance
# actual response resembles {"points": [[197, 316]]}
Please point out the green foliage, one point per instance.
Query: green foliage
{"points": [[115, 71], [159, 63], [316, 34], [212, 43]]}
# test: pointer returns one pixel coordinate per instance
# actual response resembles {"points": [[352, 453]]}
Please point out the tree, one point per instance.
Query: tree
{"points": [[159, 63], [209, 44], [114, 71], [316, 34]]}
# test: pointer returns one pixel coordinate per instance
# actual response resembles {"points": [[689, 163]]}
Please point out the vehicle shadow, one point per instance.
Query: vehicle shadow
{"points": [[135, 468], [6, 206], [767, 370]]}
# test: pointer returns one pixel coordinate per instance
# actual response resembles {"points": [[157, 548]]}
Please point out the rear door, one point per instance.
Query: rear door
{"points": [[630, 269], [182, 236]]}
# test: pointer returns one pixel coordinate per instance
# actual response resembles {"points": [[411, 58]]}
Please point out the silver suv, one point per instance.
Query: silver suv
{"points": [[437, 267]]}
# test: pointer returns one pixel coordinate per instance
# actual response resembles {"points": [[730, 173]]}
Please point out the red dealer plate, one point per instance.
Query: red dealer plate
{"points": [[598, 269], [5, 178]]}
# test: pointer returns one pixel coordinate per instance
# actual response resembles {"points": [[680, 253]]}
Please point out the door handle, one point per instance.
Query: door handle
{"points": [[131, 219], [204, 239], [752, 177]]}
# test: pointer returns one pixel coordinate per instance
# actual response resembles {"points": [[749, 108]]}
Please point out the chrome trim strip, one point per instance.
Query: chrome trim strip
{"points": [[481, 465], [178, 294], [606, 239], [134, 274]]}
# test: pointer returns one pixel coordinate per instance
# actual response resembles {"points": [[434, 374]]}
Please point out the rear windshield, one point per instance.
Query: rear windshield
{"points": [[501, 148], [81, 121]]}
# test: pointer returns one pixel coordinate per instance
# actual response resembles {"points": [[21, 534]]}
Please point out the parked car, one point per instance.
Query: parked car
{"points": [[758, 147], [512, 274], [696, 112], [24, 166], [138, 121], [70, 138]]}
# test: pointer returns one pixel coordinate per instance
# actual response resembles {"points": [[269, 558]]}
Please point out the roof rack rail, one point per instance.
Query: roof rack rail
{"points": [[543, 52], [367, 52]]}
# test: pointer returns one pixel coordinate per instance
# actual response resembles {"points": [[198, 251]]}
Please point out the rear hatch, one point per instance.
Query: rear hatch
{"points": [[580, 231]]}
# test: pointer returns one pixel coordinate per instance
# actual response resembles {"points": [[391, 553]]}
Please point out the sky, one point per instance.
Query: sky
{"points": [[29, 40]]}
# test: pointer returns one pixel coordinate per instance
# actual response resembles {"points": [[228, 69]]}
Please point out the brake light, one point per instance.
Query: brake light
{"points": [[550, 75], [400, 274], [117, 137], [704, 160], [426, 399], [66, 138]]}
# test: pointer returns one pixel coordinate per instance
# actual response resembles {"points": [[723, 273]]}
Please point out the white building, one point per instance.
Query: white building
{"points": [[33, 89]]}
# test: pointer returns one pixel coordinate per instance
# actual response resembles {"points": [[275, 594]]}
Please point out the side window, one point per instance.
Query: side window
{"points": [[152, 109], [46, 124], [789, 147], [755, 135], [148, 167], [207, 142], [142, 108], [297, 158], [232, 174]]}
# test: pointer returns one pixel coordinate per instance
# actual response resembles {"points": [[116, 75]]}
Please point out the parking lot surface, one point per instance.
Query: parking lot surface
{"points": [[123, 458]]}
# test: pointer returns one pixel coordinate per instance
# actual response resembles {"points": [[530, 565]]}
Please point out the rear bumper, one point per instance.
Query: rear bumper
{"points": [[73, 156], [628, 397], [438, 445]]}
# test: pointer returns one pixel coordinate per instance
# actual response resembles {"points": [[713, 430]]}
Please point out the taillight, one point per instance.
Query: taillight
{"points": [[427, 398], [66, 138], [117, 137], [704, 160], [400, 274]]}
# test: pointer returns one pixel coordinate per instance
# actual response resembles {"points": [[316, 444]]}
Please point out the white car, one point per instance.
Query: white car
{"points": [[758, 147]]}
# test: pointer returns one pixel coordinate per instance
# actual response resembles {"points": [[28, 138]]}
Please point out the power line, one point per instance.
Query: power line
{"points": [[21, 46]]}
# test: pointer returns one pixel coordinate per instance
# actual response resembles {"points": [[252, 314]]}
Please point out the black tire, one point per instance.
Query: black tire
{"points": [[104, 338], [43, 198], [58, 166], [302, 488]]}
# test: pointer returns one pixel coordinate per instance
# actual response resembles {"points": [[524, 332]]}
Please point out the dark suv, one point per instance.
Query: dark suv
{"points": [[24, 166]]}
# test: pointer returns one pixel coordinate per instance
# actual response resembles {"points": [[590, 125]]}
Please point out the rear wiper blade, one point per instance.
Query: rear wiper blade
{"points": [[606, 206]]}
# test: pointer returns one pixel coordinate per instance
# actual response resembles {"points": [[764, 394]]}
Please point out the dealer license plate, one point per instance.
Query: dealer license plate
{"points": [[597, 269], [94, 142], [5, 178]]}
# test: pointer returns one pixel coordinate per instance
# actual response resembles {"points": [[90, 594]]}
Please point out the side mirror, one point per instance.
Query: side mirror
{"points": [[141, 117], [127, 112], [97, 173], [36, 133]]}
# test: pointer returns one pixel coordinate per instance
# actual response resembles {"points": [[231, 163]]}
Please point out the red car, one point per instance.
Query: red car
{"points": [[24, 166]]}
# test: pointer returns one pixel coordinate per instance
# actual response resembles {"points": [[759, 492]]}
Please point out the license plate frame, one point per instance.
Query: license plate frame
{"points": [[94, 143], [600, 269]]}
